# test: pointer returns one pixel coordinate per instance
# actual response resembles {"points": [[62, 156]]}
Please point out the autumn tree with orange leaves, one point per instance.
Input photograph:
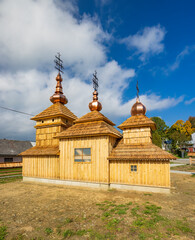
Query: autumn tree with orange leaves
{"points": [[180, 133]]}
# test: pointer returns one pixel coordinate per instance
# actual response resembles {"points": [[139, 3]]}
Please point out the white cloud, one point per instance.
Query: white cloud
{"points": [[190, 101], [103, 2], [179, 58], [155, 102], [34, 32], [148, 41], [25, 92], [29, 91]]}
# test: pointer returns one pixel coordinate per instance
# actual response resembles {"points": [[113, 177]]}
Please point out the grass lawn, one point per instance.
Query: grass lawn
{"points": [[186, 168], [11, 179], [4, 172], [40, 211]]}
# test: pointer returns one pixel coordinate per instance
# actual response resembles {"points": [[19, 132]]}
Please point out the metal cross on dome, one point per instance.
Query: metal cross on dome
{"points": [[137, 90], [58, 63], [95, 81]]}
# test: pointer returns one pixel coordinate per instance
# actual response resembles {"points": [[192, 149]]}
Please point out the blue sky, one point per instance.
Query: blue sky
{"points": [[125, 41], [169, 73]]}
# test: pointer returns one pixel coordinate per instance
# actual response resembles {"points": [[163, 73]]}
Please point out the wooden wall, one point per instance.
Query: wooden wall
{"points": [[41, 166], [151, 173], [137, 135], [47, 129], [95, 171]]}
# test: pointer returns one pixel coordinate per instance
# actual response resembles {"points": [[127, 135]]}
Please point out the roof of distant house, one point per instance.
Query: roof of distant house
{"points": [[13, 147]]}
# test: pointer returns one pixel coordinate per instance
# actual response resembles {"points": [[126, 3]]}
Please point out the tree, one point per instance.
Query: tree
{"points": [[183, 127], [192, 121], [180, 133], [156, 139], [161, 126]]}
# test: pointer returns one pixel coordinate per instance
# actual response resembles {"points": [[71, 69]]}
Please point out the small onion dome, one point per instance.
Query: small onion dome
{"points": [[95, 104], [58, 96], [138, 108]]}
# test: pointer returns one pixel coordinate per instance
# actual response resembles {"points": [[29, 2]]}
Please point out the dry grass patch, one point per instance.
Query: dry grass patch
{"points": [[40, 211]]}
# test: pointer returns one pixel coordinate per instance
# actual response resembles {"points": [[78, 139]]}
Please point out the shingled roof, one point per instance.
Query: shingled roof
{"points": [[57, 109], [141, 151], [137, 122], [93, 123], [13, 147], [94, 116], [46, 151]]}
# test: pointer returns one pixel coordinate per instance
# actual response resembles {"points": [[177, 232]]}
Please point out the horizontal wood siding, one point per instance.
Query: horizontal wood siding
{"points": [[137, 135], [150, 173], [41, 166], [95, 171]]}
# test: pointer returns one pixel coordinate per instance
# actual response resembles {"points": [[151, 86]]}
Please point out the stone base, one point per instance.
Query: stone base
{"points": [[98, 185], [67, 182], [140, 188]]}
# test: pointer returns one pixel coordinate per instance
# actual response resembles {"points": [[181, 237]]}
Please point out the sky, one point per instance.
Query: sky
{"points": [[152, 42]]}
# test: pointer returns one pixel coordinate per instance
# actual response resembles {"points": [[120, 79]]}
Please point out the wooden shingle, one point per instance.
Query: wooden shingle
{"points": [[43, 151], [145, 151], [90, 129], [137, 122], [93, 123], [94, 116], [55, 110]]}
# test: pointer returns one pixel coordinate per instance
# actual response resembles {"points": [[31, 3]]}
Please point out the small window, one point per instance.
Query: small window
{"points": [[52, 120], [66, 121], [133, 168], [42, 121], [82, 154], [8, 160]]}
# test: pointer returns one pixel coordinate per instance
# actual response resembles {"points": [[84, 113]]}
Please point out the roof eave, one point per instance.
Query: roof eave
{"points": [[50, 116], [90, 135]]}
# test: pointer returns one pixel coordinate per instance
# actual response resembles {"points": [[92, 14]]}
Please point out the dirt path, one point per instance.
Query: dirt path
{"points": [[40, 211]]}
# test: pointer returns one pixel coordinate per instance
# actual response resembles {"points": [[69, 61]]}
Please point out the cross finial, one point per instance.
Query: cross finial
{"points": [[95, 81], [58, 63], [137, 90]]}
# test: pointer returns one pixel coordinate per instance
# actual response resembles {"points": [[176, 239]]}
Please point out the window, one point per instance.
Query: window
{"points": [[52, 120], [133, 168], [42, 121], [82, 154], [8, 160]]}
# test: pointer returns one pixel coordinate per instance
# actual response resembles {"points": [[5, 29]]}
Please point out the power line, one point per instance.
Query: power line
{"points": [[13, 110]]}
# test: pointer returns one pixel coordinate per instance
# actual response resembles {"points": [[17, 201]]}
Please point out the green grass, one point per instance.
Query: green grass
{"points": [[3, 232], [119, 221], [10, 169], [147, 221], [68, 220], [48, 231], [10, 179], [183, 226], [68, 233], [4, 172], [187, 168], [81, 232]]}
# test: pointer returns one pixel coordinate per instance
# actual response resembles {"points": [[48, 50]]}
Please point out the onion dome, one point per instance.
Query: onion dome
{"points": [[58, 96], [95, 104], [138, 108]]}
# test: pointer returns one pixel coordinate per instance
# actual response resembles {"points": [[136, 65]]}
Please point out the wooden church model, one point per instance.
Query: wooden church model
{"points": [[90, 151]]}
